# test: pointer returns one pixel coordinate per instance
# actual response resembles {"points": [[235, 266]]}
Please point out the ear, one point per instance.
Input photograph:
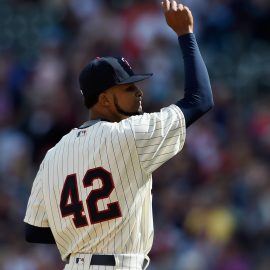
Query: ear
{"points": [[104, 99]]}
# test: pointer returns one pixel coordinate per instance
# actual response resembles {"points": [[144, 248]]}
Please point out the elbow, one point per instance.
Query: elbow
{"points": [[210, 104], [210, 99], [207, 105]]}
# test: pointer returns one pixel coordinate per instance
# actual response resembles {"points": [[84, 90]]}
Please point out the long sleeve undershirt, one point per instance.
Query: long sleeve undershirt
{"points": [[198, 98]]}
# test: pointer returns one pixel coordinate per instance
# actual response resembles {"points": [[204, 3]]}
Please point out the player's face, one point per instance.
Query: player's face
{"points": [[126, 100]]}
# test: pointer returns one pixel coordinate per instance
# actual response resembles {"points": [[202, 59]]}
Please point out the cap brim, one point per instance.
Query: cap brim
{"points": [[136, 78]]}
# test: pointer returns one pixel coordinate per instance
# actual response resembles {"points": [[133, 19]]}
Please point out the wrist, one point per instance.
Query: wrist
{"points": [[185, 35], [179, 34], [189, 30]]}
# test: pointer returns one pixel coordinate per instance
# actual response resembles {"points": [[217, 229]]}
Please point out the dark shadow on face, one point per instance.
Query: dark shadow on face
{"points": [[121, 111]]}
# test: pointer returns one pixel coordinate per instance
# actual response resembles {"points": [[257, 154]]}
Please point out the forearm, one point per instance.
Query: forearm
{"points": [[198, 98]]}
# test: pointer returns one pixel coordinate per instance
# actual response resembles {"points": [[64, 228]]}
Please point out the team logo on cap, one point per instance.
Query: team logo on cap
{"points": [[125, 61]]}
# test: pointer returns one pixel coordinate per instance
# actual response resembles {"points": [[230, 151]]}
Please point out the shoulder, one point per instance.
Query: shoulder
{"points": [[167, 116], [51, 152]]}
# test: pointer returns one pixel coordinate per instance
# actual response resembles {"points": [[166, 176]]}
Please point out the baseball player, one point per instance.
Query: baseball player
{"points": [[92, 193]]}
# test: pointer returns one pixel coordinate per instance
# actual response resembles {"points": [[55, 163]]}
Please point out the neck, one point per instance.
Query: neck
{"points": [[96, 115]]}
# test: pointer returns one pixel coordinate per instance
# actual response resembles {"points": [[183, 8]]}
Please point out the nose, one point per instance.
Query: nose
{"points": [[139, 92]]}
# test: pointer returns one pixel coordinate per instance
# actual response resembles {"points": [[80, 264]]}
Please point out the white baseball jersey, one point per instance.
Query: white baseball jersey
{"points": [[93, 189]]}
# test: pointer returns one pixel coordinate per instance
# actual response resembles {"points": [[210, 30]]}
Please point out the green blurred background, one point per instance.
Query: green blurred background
{"points": [[212, 202]]}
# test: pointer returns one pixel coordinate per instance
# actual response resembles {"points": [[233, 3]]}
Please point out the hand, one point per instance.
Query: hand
{"points": [[178, 17]]}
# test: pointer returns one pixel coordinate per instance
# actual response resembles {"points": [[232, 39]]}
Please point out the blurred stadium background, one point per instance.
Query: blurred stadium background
{"points": [[212, 202]]}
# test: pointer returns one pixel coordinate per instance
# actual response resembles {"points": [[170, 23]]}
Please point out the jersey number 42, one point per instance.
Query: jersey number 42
{"points": [[70, 203]]}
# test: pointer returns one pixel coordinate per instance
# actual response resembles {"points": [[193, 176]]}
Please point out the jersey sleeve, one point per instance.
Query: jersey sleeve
{"points": [[36, 210], [159, 136]]}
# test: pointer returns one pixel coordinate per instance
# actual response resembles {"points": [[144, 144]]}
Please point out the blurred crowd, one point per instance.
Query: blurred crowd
{"points": [[212, 202]]}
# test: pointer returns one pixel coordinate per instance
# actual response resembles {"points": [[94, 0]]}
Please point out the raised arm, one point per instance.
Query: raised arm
{"points": [[198, 98]]}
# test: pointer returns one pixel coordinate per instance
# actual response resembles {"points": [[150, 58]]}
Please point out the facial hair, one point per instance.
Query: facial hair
{"points": [[121, 111]]}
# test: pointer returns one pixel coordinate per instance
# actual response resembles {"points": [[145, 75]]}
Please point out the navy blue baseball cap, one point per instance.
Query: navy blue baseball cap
{"points": [[103, 73]]}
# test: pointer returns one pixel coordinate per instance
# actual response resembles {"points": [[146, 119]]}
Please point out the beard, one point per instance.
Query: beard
{"points": [[122, 111]]}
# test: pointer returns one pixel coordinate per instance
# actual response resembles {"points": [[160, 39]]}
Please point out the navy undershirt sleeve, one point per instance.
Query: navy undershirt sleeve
{"points": [[198, 97], [35, 234]]}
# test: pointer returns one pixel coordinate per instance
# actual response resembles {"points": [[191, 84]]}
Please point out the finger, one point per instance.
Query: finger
{"points": [[180, 7], [186, 8], [173, 5], [166, 5]]}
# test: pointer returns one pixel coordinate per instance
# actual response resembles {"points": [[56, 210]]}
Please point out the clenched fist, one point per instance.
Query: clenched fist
{"points": [[178, 17]]}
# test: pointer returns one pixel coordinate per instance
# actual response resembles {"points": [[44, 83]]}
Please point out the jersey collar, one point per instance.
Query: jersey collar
{"points": [[90, 123]]}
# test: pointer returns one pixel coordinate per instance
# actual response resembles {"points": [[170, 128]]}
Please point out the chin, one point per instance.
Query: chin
{"points": [[140, 112]]}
